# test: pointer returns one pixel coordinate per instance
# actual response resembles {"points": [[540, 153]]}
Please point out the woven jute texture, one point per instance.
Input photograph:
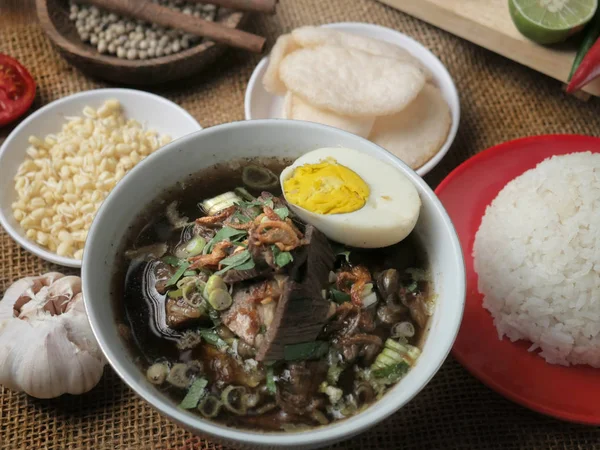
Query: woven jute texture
{"points": [[501, 100]]}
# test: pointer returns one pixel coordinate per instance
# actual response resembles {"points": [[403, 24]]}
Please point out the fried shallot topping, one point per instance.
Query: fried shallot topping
{"points": [[216, 219], [354, 282], [212, 260], [278, 233]]}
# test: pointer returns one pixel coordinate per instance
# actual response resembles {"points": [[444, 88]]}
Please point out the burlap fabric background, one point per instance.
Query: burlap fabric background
{"points": [[501, 100]]}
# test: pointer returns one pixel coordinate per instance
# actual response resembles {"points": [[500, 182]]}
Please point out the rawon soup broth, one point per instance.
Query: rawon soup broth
{"points": [[252, 318]]}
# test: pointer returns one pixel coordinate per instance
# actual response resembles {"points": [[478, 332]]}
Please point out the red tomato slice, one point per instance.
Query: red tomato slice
{"points": [[17, 89]]}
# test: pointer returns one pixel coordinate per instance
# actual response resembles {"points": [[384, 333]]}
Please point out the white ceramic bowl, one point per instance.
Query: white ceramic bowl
{"points": [[283, 138], [148, 109], [259, 104]]}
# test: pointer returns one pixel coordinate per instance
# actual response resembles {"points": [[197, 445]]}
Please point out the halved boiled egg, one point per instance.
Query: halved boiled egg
{"points": [[353, 198]]}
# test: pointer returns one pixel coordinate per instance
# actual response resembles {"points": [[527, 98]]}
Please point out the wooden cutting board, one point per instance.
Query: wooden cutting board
{"points": [[487, 23]]}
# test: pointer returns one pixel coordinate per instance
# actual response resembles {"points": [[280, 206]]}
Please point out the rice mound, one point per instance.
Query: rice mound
{"points": [[537, 255]]}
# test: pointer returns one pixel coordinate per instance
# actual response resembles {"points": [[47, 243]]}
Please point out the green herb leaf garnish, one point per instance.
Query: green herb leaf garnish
{"points": [[241, 261], [224, 234], [241, 218], [257, 202], [282, 212], [305, 350], [195, 393], [177, 275], [338, 296], [281, 258]]}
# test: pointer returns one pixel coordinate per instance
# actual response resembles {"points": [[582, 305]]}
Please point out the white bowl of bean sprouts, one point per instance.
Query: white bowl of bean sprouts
{"points": [[58, 165]]}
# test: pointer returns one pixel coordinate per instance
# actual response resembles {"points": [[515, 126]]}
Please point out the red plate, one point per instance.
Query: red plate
{"points": [[570, 393]]}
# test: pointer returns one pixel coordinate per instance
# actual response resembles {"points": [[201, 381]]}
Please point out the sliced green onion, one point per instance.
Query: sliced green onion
{"points": [[271, 386], [392, 354], [195, 393], [305, 350], [257, 177], [190, 273], [220, 299], [186, 281], [214, 282], [396, 346], [413, 352], [210, 406], [213, 206], [175, 294], [232, 395], [368, 296], [195, 246], [392, 372], [177, 275], [243, 193]]}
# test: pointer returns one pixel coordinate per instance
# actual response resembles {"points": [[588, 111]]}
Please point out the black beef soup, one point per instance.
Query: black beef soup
{"points": [[247, 316]]}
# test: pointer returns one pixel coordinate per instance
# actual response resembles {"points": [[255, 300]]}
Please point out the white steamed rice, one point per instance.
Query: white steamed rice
{"points": [[537, 255]]}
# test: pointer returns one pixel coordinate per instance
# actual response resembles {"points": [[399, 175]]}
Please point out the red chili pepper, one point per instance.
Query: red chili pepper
{"points": [[588, 70]]}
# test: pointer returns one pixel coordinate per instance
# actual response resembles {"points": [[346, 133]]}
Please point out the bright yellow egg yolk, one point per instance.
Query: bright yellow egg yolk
{"points": [[326, 188]]}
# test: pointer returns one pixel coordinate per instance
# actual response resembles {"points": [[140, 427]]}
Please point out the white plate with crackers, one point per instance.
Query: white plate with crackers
{"points": [[369, 80]]}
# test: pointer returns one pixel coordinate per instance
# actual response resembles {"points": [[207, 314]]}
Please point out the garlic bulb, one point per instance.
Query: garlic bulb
{"points": [[46, 344]]}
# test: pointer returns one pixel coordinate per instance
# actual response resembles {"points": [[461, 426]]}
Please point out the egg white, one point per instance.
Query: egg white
{"points": [[390, 213]]}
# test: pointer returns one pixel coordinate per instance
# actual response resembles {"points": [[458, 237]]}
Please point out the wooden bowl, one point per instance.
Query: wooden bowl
{"points": [[54, 18]]}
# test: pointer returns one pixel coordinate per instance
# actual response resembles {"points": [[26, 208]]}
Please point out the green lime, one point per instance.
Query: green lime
{"points": [[551, 21]]}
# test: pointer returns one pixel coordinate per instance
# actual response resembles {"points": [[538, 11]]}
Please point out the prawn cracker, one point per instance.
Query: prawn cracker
{"points": [[297, 109], [284, 46], [317, 36], [418, 132], [351, 82]]}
